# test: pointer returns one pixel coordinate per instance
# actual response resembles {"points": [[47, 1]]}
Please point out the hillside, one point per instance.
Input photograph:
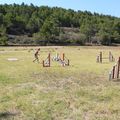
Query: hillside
{"points": [[33, 25]]}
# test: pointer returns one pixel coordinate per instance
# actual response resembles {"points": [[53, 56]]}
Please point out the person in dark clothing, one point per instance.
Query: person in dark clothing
{"points": [[36, 55]]}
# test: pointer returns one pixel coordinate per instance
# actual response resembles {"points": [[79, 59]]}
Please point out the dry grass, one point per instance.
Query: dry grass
{"points": [[78, 92]]}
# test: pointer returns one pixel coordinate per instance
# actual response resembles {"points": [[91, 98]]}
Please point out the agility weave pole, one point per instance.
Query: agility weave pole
{"points": [[100, 57], [115, 72], [47, 62]]}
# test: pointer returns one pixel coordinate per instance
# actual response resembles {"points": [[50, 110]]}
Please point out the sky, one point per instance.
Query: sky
{"points": [[107, 7]]}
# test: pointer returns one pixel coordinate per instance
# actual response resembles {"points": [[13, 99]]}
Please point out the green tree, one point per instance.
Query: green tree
{"points": [[49, 29], [3, 36]]}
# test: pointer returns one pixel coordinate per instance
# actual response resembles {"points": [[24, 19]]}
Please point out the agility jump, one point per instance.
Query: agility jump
{"points": [[62, 59], [115, 72], [58, 58], [100, 58]]}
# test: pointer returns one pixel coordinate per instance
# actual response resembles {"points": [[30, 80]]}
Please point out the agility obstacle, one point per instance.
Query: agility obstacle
{"points": [[100, 57], [115, 72], [56, 57], [46, 62], [59, 58], [64, 61]]}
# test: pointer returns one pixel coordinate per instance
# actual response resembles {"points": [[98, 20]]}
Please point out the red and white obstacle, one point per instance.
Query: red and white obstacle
{"points": [[47, 61], [115, 72], [61, 59]]}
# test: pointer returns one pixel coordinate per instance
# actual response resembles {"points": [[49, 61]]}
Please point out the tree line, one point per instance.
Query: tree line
{"points": [[56, 26]]}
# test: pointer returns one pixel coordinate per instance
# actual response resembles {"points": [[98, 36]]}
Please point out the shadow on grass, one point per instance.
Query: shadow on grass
{"points": [[7, 114], [105, 63], [116, 80]]}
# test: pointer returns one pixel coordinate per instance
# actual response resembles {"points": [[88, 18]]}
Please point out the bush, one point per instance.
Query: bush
{"points": [[3, 40]]}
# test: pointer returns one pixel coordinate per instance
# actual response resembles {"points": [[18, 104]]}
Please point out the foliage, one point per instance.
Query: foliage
{"points": [[49, 29], [3, 36], [49, 22]]}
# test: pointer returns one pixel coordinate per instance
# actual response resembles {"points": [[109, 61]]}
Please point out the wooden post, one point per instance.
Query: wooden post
{"points": [[118, 69], [100, 57], [43, 64], [68, 62], [63, 56], [110, 56], [49, 60], [113, 76], [113, 59]]}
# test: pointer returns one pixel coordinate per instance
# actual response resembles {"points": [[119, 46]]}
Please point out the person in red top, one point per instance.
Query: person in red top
{"points": [[36, 55]]}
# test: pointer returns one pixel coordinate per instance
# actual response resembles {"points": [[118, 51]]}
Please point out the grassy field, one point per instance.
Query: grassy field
{"points": [[80, 91]]}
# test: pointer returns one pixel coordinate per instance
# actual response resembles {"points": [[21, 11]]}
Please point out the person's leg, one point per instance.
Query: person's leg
{"points": [[38, 60], [35, 59]]}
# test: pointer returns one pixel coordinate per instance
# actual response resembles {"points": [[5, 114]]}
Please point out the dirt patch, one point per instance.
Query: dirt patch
{"points": [[12, 59]]}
